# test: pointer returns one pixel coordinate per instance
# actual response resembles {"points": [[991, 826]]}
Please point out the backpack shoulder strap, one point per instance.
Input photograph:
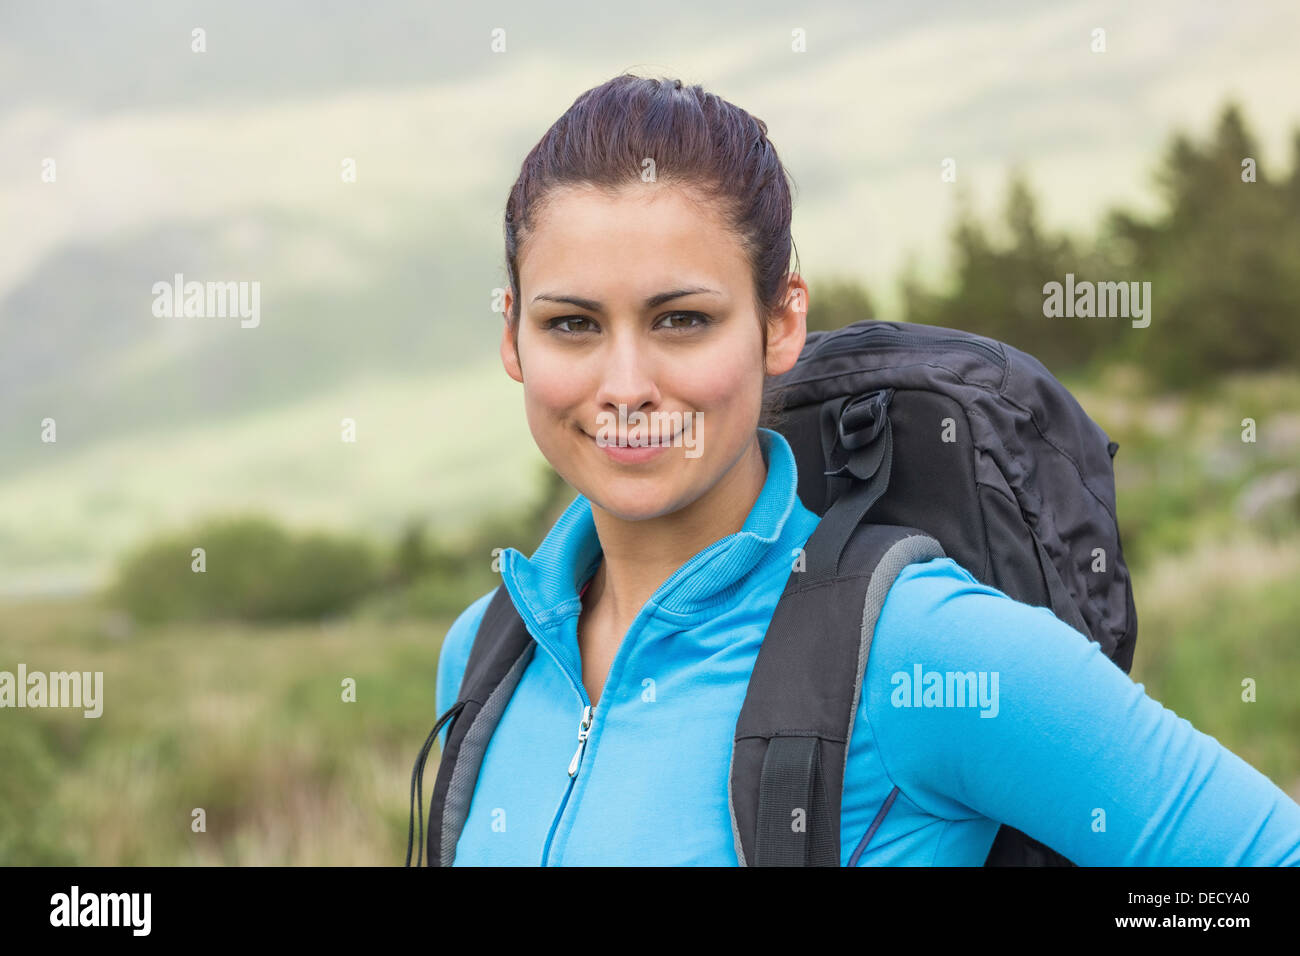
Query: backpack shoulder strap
{"points": [[502, 649], [792, 738]]}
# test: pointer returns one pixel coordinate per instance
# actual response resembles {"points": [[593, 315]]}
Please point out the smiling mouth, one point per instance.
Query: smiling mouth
{"points": [[653, 444]]}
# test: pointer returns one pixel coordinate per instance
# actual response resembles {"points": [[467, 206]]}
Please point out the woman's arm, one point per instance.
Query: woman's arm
{"points": [[1058, 741]]}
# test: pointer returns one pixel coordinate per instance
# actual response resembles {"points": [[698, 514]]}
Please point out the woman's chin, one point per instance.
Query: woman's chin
{"points": [[635, 504]]}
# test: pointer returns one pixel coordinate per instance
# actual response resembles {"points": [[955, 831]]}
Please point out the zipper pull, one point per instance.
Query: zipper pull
{"points": [[584, 728]]}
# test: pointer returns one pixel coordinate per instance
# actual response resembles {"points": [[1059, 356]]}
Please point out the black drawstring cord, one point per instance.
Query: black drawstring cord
{"points": [[417, 786]]}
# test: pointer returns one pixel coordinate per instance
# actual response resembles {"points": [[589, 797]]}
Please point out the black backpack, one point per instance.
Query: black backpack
{"points": [[954, 444]]}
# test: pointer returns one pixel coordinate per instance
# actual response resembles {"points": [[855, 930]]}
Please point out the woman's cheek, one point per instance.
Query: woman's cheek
{"points": [[552, 387], [718, 384]]}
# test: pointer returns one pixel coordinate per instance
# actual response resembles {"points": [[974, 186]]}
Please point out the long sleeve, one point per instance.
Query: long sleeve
{"points": [[1057, 741]]}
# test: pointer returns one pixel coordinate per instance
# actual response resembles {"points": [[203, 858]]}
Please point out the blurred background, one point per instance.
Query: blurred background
{"points": [[128, 155]]}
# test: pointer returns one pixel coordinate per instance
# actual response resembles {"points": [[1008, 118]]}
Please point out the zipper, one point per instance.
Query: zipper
{"points": [[584, 731], [849, 341], [584, 728]]}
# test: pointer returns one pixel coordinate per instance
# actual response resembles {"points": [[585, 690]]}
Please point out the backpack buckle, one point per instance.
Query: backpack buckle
{"points": [[859, 426]]}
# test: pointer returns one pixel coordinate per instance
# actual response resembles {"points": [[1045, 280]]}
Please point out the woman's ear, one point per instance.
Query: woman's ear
{"points": [[510, 344], [788, 328]]}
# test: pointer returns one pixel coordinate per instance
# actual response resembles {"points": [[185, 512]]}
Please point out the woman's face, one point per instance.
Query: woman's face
{"points": [[642, 302]]}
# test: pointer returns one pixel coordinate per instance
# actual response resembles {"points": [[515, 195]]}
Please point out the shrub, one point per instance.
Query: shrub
{"points": [[254, 570]]}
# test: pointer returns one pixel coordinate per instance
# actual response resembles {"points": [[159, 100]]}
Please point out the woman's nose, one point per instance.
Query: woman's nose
{"points": [[627, 378]]}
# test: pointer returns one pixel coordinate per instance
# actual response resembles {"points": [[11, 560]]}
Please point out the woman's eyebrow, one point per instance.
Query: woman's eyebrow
{"points": [[657, 299]]}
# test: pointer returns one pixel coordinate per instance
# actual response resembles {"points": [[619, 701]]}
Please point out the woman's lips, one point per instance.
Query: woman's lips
{"points": [[633, 453]]}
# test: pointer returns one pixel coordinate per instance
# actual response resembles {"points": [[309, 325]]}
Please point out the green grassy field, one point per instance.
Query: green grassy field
{"points": [[247, 723]]}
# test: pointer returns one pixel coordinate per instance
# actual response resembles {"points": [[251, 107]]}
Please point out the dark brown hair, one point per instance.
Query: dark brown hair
{"points": [[695, 139]]}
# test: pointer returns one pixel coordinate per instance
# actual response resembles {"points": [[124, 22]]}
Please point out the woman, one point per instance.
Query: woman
{"points": [[647, 242]]}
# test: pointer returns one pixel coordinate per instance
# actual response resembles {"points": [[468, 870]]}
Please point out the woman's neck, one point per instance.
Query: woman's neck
{"points": [[640, 555]]}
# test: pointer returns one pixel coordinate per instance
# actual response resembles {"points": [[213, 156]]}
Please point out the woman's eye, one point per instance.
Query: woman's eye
{"points": [[693, 320], [557, 323]]}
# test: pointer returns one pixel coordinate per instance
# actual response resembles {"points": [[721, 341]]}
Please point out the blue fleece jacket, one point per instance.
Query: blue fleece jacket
{"points": [[1055, 739]]}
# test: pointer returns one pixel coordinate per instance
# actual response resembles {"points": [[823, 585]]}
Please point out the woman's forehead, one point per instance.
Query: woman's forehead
{"points": [[633, 241]]}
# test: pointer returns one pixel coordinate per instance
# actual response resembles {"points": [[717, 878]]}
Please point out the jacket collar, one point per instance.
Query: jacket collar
{"points": [[545, 587]]}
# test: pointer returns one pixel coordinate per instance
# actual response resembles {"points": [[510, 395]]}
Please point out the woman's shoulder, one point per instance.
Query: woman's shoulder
{"points": [[456, 645], [938, 608], [466, 624]]}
